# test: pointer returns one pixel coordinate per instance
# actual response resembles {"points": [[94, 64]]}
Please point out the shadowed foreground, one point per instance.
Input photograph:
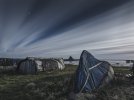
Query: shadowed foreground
{"points": [[54, 86]]}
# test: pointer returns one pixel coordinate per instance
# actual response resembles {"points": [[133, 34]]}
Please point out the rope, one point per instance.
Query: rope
{"points": [[88, 74]]}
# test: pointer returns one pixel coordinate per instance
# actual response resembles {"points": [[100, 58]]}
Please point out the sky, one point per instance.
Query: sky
{"points": [[63, 28]]}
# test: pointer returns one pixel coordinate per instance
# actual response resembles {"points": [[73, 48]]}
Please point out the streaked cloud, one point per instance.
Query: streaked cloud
{"points": [[66, 28]]}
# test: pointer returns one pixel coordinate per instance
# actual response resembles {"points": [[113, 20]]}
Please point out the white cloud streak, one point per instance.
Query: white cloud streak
{"points": [[109, 35]]}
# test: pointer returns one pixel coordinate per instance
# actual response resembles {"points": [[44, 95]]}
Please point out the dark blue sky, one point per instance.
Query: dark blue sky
{"points": [[60, 28]]}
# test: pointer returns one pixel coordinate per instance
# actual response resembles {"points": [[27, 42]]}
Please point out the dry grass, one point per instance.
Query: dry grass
{"points": [[54, 86], [43, 86]]}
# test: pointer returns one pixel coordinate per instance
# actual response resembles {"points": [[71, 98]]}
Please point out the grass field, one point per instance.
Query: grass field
{"points": [[43, 86], [54, 86]]}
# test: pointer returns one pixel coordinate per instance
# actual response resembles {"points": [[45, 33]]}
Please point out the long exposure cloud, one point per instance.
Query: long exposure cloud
{"points": [[60, 28]]}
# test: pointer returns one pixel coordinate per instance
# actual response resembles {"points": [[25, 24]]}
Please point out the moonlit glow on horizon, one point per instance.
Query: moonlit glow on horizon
{"points": [[66, 27]]}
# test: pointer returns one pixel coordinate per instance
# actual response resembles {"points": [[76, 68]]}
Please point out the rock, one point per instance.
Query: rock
{"points": [[31, 85], [115, 97], [85, 96], [81, 96], [37, 91], [72, 96]]}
